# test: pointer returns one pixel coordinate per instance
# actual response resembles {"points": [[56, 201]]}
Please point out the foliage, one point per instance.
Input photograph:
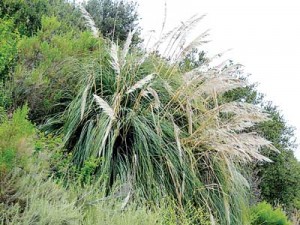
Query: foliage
{"points": [[264, 214], [115, 19], [24, 17], [192, 60], [15, 135], [27, 14], [8, 49], [281, 180], [47, 62], [134, 137], [6, 100]]}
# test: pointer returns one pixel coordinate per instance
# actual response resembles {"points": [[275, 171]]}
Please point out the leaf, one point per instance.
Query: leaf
{"points": [[83, 101]]}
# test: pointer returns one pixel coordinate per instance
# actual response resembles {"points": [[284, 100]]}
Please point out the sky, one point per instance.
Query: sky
{"points": [[264, 36]]}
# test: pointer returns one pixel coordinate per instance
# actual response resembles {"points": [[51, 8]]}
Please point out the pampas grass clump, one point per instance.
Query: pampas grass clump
{"points": [[162, 132]]}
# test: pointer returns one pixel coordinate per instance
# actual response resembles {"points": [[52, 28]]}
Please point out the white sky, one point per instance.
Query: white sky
{"points": [[264, 36]]}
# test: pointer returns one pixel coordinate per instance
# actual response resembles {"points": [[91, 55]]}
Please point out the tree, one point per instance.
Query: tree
{"points": [[280, 180], [47, 67], [27, 14], [193, 60], [115, 19]]}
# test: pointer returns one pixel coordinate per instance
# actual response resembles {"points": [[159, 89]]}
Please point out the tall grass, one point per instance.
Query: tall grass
{"points": [[163, 133]]}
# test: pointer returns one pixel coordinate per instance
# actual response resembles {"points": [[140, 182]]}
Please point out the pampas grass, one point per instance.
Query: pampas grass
{"points": [[89, 20], [104, 105], [141, 83], [126, 47], [153, 93], [185, 144], [115, 58]]}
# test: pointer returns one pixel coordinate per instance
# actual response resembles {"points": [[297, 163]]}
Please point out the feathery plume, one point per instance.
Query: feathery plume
{"points": [[154, 94], [89, 20], [103, 143], [219, 85], [104, 106], [199, 40], [176, 134], [115, 59], [180, 35], [126, 200], [164, 20], [245, 146], [168, 87], [126, 47], [245, 115], [141, 83], [212, 219], [189, 113]]}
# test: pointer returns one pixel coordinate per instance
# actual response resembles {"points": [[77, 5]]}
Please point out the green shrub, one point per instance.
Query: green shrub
{"points": [[15, 137], [48, 67], [8, 46], [264, 214], [6, 99], [146, 117]]}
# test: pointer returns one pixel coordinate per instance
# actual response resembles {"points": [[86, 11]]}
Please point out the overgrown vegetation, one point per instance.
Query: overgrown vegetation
{"points": [[128, 136]]}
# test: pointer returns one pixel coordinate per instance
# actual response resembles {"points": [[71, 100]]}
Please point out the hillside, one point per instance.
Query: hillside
{"points": [[94, 129]]}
